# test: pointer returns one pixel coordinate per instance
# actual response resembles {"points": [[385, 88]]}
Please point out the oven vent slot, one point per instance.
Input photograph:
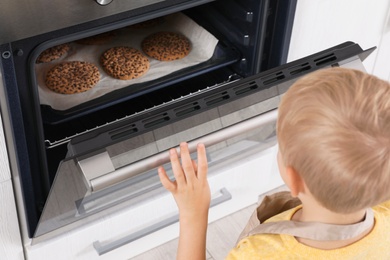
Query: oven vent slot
{"points": [[123, 132], [272, 78], [215, 99], [300, 68], [156, 120], [187, 109], [325, 59], [246, 88]]}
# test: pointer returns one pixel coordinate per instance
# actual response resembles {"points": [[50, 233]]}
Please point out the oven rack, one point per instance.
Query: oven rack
{"points": [[52, 144]]}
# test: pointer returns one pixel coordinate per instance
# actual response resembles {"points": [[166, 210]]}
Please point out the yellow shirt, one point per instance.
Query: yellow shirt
{"points": [[376, 245]]}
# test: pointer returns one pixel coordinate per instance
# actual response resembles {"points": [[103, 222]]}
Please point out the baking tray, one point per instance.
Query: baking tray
{"points": [[224, 55]]}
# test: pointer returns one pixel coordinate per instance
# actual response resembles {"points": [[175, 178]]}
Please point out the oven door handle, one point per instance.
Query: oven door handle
{"points": [[103, 248], [99, 172]]}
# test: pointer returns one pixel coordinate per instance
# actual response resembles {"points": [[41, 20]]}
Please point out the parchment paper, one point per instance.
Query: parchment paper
{"points": [[202, 43]]}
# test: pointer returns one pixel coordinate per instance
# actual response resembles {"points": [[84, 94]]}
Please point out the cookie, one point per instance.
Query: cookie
{"points": [[53, 53], [166, 46], [98, 39], [124, 63], [72, 77]]}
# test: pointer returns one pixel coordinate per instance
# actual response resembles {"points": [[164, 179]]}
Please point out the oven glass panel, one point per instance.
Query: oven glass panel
{"points": [[72, 198]]}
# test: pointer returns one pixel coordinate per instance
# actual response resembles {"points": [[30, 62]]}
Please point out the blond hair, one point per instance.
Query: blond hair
{"points": [[334, 130]]}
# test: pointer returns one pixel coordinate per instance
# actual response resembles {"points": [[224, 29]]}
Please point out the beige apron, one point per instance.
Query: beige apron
{"points": [[282, 201]]}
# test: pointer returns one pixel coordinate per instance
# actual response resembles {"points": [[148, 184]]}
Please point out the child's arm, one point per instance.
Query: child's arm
{"points": [[192, 195]]}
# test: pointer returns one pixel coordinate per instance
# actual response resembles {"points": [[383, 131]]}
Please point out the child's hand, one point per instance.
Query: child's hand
{"points": [[190, 189]]}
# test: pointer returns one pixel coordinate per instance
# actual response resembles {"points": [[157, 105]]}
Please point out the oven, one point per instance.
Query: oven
{"points": [[75, 156]]}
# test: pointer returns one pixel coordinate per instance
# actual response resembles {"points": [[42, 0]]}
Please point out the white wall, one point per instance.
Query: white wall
{"points": [[320, 24]]}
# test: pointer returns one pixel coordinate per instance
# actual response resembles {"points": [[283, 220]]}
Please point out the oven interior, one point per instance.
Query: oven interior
{"points": [[245, 31], [253, 36]]}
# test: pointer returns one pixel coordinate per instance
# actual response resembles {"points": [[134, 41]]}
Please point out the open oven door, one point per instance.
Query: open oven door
{"points": [[114, 166]]}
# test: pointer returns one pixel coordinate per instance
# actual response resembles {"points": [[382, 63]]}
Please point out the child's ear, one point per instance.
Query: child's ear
{"points": [[295, 181]]}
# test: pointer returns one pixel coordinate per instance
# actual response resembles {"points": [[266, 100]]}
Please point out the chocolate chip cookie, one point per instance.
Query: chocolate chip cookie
{"points": [[166, 46], [72, 77], [53, 53], [124, 63]]}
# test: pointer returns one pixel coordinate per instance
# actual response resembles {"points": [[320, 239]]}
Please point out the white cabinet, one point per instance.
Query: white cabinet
{"points": [[4, 165], [10, 240], [10, 243], [321, 24], [115, 228]]}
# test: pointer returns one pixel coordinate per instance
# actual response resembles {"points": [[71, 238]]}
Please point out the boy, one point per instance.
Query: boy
{"points": [[333, 133]]}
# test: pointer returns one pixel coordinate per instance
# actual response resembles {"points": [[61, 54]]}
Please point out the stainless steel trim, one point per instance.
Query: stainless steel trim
{"points": [[96, 165], [154, 161], [102, 249], [5, 120], [24, 18]]}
